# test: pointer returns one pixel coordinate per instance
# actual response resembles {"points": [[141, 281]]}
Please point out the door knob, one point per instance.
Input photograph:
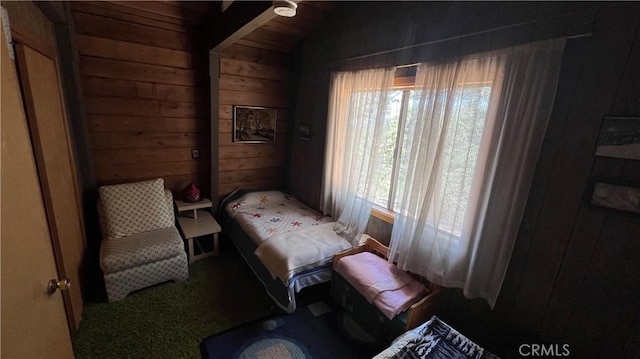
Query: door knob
{"points": [[64, 284]]}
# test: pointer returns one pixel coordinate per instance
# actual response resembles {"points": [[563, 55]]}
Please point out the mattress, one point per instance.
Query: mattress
{"points": [[265, 214], [271, 219]]}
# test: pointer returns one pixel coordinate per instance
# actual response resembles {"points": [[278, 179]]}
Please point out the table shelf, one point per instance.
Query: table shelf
{"points": [[196, 221]]}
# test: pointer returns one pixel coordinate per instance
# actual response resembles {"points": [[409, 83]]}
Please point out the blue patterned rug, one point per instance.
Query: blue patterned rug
{"points": [[314, 331]]}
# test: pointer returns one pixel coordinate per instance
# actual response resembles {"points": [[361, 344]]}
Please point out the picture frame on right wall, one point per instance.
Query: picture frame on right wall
{"points": [[619, 138], [615, 195]]}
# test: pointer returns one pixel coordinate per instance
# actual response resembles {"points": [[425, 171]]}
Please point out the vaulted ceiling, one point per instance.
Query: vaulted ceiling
{"points": [[254, 23]]}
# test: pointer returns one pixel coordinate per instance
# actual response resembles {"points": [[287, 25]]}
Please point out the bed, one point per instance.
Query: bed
{"points": [[288, 245], [434, 339]]}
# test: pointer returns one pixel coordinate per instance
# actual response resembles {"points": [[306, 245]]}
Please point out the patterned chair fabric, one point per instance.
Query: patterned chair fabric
{"points": [[141, 245], [135, 208], [141, 248]]}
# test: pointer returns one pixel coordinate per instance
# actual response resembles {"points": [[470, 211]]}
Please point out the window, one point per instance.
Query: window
{"points": [[453, 156], [468, 108]]}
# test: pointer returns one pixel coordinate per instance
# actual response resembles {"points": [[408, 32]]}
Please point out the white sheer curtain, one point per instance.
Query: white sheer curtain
{"points": [[469, 150], [356, 123]]}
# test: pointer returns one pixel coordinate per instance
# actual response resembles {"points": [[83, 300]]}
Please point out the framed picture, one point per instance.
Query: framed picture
{"points": [[305, 132], [620, 138], [615, 195], [254, 124]]}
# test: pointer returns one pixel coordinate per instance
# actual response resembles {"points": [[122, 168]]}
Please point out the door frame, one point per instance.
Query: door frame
{"points": [[23, 34]]}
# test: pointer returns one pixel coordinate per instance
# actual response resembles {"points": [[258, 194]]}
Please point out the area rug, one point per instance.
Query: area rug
{"points": [[314, 331]]}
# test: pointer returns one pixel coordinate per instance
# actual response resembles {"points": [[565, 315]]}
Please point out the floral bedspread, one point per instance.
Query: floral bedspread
{"points": [[265, 214]]}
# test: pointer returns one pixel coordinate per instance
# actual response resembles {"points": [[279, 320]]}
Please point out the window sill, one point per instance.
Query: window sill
{"points": [[383, 214]]}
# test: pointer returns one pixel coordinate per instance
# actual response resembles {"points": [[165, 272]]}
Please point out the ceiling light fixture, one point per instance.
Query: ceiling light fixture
{"points": [[286, 8]]}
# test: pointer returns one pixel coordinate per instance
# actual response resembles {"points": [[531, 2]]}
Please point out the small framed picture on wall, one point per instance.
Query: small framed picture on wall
{"points": [[615, 195], [619, 138], [253, 124], [305, 132]]}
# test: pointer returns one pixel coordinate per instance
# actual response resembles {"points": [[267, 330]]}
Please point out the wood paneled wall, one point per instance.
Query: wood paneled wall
{"points": [[574, 276], [145, 85], [252, 76]]}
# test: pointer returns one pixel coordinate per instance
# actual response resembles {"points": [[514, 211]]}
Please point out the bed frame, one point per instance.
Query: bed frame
{"points": [[282, 294], [368, 315]]}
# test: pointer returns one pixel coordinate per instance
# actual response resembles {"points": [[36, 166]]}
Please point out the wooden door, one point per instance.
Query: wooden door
{"points": [[34, 324], [41, 90], [35, 47]]}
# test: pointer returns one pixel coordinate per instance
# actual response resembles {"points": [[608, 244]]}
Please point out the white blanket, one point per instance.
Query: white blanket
{"points": [[288, 253]]}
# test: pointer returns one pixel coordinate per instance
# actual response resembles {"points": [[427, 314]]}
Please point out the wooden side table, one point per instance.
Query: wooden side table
{"points": [[196, 221]]}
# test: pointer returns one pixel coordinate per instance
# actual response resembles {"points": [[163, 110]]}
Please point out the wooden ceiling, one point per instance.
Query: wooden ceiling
{"points": [[283, 34], [251, 23], [254, 24]]}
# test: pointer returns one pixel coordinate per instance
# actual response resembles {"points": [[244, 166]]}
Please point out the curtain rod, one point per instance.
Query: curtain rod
{"points": [[586, 34]]}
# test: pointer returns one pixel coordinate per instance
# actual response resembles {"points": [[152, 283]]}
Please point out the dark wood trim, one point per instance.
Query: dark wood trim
{"points": [[240, 18], [214, 78]]}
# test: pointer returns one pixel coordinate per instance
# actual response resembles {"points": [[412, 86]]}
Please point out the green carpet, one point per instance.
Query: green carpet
{"points": [[169, 320]]}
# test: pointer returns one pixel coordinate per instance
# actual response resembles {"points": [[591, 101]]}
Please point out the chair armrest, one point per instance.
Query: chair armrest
{"points": [[423, 309], [371, 245], [376, 247]]}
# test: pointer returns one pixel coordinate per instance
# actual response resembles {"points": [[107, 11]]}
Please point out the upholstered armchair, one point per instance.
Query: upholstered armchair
{"points": [[141, 245]]}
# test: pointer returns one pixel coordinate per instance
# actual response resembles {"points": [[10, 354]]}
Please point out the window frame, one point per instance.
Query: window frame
{"points": [[404, 83]]}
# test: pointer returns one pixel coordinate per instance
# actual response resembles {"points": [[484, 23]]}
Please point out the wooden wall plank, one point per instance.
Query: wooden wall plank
{"points": [[148, 140], [247, 84], [147, 170], [250, 175], [626, 104], [247, 41], [571, 276], [600, 322], [298, 22], [104, 87], [108, 10], [278, 41], [261, 150], [138, 107], [255, 55], [181, 93], [145, 155], [225, 112], [254, 99], [117, 69], [116, 123], [236, 164], [632, 344], [285, 29], [253, 70], [110, 28], [127, 51]]}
